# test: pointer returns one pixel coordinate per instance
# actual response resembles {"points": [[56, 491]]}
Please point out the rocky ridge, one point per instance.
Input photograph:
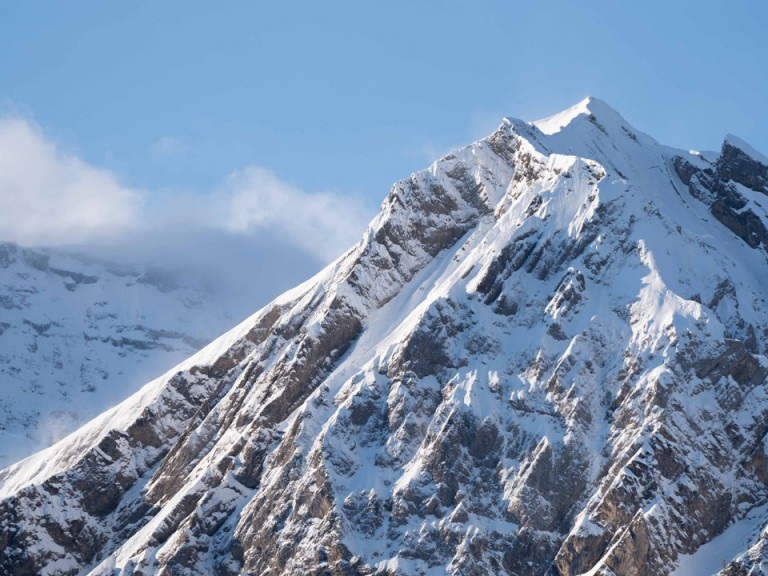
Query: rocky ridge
{"points": [[546, 356]]}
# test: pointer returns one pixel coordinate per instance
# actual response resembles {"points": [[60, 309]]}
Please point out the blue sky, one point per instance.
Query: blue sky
{"points": [[353, 95], [173, 102]]}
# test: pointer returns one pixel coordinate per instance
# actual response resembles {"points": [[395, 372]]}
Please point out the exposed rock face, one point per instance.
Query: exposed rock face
{"points": [[729, 185], [77, 335], [544, 358]]}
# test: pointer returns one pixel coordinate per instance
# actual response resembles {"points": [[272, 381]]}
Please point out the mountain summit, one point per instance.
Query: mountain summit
{"points": [[546, 356], [590, 107]]}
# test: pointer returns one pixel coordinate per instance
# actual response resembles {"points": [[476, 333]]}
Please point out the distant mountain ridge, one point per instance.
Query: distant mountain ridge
{"points": [[77, 334], [547, 356]]}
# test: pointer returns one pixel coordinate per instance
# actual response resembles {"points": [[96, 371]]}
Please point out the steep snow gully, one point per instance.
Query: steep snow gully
{"points": [[546, 356]]}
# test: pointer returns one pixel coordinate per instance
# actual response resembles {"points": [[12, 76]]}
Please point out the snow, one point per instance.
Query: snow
{"points": [[77, 336], [62, 455], [557, 122], [710, 558], [621, 266]]}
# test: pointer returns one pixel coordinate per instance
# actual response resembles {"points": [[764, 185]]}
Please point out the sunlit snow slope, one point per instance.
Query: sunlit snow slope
{"points": [[546, 356]]}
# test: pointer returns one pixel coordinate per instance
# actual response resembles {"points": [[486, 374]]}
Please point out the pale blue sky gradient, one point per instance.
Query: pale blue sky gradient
{"points": [[350, 96]]}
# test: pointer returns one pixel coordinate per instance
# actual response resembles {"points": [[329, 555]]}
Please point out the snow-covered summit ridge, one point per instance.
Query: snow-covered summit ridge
{"points": [[589, 107], [558, 121], [593, 130], [581, 308]]}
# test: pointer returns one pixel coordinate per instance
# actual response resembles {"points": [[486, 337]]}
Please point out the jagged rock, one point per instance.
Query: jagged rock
{"points": [[715, 185]]}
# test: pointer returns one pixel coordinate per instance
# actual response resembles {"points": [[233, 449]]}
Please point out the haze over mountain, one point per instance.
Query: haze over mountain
{"points": [[546, 356]]}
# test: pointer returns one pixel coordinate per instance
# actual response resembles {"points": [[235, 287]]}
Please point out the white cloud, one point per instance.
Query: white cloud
{"points": [[323, 223], [50, 197]]}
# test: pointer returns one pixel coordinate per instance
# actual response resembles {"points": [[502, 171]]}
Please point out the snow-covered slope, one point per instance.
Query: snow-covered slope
{"points": [[77, 335], [546, 356]]}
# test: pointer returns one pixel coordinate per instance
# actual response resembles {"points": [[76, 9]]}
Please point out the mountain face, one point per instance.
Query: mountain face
{"points": [[545, 357], [77, 335]]}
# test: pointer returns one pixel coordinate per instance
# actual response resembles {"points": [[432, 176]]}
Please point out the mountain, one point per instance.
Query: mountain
{"points": [[77, 335], [546, 356]]}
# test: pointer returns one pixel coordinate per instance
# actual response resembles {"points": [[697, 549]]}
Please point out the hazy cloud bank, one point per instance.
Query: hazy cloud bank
{"points": [[254, 236], [51, 197], [324, 224]]}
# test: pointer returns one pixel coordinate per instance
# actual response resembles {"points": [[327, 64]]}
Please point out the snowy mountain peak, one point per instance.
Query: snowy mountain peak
{"points": [[557, 122], [590, 109], [593, 130], [547, 357]]}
